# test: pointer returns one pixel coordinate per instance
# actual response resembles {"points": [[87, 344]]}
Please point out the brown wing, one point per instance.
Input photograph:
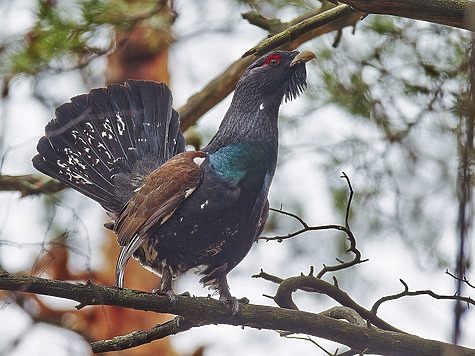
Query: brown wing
{"points": [[160, 194]]}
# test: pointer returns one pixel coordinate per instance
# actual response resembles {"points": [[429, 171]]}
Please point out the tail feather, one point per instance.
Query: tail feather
{"points": [[105, 143]]}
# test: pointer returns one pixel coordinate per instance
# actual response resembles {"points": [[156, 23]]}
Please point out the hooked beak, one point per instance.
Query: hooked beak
{"points": [[303, 57]]}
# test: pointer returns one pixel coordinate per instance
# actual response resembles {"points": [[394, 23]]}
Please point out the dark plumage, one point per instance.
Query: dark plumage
{"points": [[176, 210]]}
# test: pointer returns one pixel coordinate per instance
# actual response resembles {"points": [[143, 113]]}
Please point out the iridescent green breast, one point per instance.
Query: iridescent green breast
{"points": [[246, 163]]}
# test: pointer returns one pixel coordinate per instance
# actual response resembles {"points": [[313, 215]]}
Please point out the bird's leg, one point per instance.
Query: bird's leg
{"points": [[166, 286], [225, 295]]}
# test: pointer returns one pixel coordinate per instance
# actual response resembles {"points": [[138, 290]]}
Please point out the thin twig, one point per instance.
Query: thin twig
{"points": [[296, 217], [350, 198], [464, 279], [308, 338], [305, 227], [406, 292]]}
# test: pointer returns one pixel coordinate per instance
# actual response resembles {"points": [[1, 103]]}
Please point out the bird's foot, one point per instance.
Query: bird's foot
{"points": [[172, 297], [234, 302], [225, 296]]}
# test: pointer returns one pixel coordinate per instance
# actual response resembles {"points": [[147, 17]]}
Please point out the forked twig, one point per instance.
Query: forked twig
{"points": [[346, 229], [407, 292]]}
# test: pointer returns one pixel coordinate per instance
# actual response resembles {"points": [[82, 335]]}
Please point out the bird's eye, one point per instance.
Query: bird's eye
{"points": [[273, 60]]}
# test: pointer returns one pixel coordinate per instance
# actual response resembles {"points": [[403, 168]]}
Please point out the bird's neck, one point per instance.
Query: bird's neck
{"points": [[251, 118]]}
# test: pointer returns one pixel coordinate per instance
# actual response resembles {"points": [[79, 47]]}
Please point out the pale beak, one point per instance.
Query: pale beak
{"points": [[303, 57]]}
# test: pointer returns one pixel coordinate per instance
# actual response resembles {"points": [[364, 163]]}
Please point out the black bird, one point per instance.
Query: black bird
{"points": [[176, 210]]}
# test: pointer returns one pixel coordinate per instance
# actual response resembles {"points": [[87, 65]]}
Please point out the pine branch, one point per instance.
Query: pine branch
{"points": [[205, 311]]}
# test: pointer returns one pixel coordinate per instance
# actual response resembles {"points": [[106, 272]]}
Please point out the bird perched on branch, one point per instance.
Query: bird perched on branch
{"points": [[175, 210]]}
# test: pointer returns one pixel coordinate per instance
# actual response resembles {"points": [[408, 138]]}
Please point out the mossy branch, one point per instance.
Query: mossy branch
{"points": [[199, 311], [455, 13]]}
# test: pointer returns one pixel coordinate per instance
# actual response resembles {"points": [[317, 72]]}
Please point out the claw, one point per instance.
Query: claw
{"points": [[171, 296], [233, 300], [166, 287], [225, 296]]}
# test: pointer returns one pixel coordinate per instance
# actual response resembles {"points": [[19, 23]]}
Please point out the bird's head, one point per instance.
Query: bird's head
{"points": [[280, 74], [253, 113]]}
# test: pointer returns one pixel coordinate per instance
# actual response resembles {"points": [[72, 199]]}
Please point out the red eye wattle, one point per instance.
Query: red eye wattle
{"points": [[273, 59]]}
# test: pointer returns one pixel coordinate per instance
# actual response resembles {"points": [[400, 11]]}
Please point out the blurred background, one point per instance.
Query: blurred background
{"points": [[386, 104]]}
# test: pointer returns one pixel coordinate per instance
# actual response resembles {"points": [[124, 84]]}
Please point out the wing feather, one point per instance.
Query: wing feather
{"points": [[160, 195]]}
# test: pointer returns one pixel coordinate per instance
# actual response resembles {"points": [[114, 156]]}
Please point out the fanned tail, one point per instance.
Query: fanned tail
{"points": [[103, 144]]}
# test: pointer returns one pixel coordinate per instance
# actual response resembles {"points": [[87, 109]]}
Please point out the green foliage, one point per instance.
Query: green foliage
{"points": [[69, 35], [402, 81]]}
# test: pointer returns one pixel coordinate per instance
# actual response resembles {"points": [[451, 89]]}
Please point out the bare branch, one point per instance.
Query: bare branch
{"points": [[464, 279], [268, 277], [270, 25], [406, 293], [342, 265], [348, 205], [138, 338], [283, 297], [204, 311], [283, 212], [308, 338]]}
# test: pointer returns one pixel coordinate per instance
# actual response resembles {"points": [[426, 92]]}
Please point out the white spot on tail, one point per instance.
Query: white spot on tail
{"points": [[261, 107], [120, 123], [204, 204], [198, 160]]}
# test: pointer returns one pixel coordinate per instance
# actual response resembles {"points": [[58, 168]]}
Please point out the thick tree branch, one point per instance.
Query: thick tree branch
{"points": [[203, 311], [287, 287], [296, 31], [454, 13]]}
